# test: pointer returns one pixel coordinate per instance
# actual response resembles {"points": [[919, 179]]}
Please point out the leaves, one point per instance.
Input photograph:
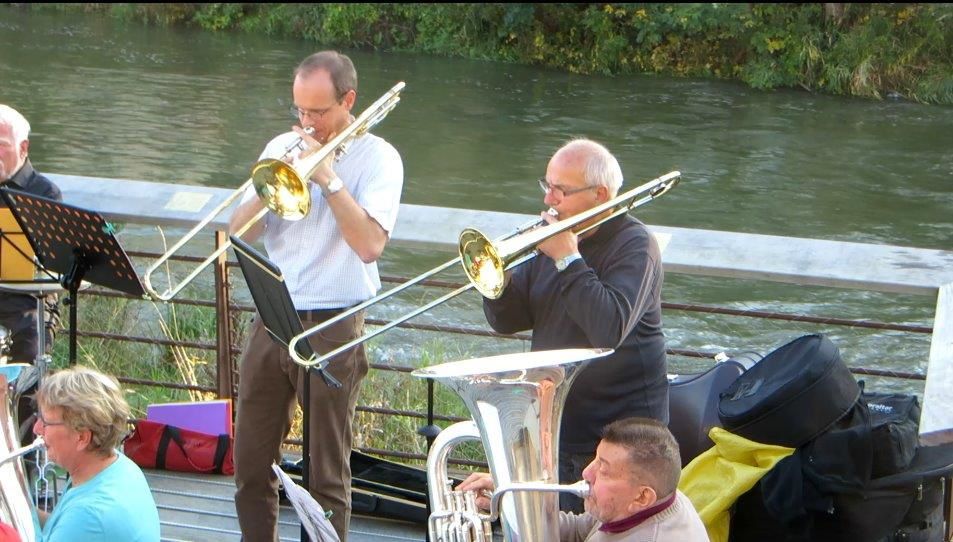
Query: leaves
{"points": [[872, 50]]}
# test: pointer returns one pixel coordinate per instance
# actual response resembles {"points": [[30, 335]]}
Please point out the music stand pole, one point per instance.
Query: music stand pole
{"points": [[306, 445], [71, 281]]}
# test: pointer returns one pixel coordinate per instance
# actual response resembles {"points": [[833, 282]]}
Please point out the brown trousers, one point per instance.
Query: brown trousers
{"points": [[269, 380]]}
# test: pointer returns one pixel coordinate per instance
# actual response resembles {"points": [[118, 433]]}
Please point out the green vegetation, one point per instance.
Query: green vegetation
{"points": [[867, 50], [137, 360]]}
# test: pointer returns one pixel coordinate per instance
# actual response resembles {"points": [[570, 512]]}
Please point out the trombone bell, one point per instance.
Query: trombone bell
{"points": [[281, 189], [485, 262], [482, 263]]}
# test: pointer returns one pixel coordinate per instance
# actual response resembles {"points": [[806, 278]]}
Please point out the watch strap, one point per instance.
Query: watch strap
{"points": [[334, 186], [563, 263]]}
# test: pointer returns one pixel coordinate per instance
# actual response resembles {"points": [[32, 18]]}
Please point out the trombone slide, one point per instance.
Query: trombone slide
{"points": [[485, 262], [284, 188]]}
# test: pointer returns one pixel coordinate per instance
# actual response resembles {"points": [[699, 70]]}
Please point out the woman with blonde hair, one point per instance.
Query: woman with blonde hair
{"points": [[83, 417]]}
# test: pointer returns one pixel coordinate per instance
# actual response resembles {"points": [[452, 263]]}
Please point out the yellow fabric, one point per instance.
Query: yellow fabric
{"points": [[717, 477], [16, 254]]}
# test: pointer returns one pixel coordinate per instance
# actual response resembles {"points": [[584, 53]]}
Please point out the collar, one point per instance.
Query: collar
{"points": [[21, 177], [625, 524]]}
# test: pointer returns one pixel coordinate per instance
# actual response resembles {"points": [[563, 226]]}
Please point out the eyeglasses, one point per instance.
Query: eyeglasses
{"points": [[297, 112], [45, 423], [560, 191]]}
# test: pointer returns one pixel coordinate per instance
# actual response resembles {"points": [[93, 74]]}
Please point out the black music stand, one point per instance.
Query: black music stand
{"points": [[278, 315], [76, 243]]}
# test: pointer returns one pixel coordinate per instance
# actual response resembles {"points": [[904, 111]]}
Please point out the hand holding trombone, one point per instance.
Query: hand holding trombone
{"points": [[486, 262]]}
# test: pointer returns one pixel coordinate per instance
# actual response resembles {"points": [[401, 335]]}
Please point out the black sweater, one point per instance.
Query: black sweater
{"points": [[28, 180], [609, 299]]}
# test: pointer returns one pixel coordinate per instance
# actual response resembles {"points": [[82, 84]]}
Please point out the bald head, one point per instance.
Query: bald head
{"points": [[598, 165], [17, 123], [14, 131]]}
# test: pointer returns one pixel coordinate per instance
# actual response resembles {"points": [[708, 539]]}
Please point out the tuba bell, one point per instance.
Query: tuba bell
{"points": [[516, 401], [16, 505]]}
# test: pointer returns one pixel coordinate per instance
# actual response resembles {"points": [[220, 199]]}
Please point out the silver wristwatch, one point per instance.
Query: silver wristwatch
{"points": [[334, 186], [563, 263]]}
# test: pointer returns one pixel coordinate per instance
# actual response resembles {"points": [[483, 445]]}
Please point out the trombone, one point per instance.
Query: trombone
{"points": [[282, 187], [485, 262]]}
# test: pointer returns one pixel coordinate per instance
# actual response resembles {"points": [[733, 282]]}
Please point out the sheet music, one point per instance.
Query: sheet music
{"points": [[309, 511]]}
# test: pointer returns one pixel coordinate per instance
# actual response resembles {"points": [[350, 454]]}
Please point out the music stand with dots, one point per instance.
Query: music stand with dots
{"points": [[76, 243], [280, 319]]}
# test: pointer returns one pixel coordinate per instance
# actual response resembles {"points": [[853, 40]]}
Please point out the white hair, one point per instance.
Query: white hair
{"points": [[601, 169], [17, 122]]}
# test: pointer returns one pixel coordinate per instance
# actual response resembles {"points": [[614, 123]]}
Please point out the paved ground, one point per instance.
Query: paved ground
{"points": [[200, 508]]}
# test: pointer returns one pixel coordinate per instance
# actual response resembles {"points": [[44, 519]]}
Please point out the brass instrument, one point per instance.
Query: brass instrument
{"points": [[282, 187], [17, 508], [485, 261], [516, 401]]}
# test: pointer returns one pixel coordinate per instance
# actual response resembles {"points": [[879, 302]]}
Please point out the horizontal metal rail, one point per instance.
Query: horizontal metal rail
{"points": [[469, 331]]}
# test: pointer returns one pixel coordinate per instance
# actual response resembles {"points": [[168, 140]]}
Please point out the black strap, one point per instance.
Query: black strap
{"points": [[171, 433], [220, 452], [168, 433]]}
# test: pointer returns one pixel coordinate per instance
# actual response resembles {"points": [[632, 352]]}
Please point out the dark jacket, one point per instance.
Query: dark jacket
{"points": [[30, 181], [609, 299]]}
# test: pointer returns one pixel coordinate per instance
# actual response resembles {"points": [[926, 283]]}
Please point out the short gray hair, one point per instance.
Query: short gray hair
{"points": [[601, 169], [653, 451], [89, 400], [17, 122]]}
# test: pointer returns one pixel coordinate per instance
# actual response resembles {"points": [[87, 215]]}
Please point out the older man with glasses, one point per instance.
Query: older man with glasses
{"points": [[18, 312], [600, 290]]}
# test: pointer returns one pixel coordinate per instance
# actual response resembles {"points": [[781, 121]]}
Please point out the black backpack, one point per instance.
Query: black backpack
{"points": [[863, 480]]}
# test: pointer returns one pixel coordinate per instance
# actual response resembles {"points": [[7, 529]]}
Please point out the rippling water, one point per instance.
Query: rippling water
{"points": [[177, 105]]}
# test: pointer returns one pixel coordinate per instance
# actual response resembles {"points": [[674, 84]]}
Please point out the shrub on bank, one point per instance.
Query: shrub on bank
{"points": [[868, 50]]}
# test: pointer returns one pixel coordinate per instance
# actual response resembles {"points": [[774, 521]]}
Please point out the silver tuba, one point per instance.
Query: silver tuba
{"points": [[516, 401], [16, 506]]}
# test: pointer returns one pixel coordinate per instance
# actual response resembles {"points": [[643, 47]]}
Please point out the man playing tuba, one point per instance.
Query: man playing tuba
{"points": [[633, 491]]}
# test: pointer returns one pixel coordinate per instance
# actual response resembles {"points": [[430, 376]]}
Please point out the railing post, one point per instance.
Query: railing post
{"points": [[223, 333]]}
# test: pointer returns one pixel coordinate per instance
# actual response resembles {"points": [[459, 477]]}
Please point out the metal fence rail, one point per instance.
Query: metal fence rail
{"points": [[227, 342]]}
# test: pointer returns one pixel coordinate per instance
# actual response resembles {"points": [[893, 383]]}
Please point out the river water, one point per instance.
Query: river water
{"points": [[183, 106]]}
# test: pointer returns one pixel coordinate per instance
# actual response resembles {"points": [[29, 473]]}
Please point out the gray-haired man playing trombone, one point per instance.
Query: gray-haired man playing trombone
{"points": [[598, 290]]}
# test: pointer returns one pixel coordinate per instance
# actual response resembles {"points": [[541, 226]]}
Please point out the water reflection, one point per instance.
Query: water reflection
{"points": [[178, 105]]}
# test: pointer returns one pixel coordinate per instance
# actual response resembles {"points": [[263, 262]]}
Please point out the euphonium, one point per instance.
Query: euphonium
{"points": [[516, 401], [16, 505]]}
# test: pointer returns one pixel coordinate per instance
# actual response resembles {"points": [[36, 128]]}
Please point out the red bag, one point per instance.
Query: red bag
{"points": [[156, 445]]}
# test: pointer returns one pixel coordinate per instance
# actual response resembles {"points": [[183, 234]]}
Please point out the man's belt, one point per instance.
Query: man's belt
{"points": [[318, 314]]}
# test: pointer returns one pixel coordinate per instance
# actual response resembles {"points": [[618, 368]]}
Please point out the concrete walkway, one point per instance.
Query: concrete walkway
{"points": [[200, 508]]}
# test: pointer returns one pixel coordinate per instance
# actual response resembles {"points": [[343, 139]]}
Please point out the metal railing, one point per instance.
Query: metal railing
{"points": [[227, 343]]}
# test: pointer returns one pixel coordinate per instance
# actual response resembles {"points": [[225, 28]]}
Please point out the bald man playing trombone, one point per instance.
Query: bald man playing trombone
{"points": [[328, 262], [598, 290]]}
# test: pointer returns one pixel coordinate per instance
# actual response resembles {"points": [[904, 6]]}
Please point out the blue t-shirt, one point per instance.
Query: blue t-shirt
{"points": [[116, 504]]}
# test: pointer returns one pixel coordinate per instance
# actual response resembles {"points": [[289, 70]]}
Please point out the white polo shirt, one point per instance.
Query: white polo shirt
{"points": [[320, 269]]}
